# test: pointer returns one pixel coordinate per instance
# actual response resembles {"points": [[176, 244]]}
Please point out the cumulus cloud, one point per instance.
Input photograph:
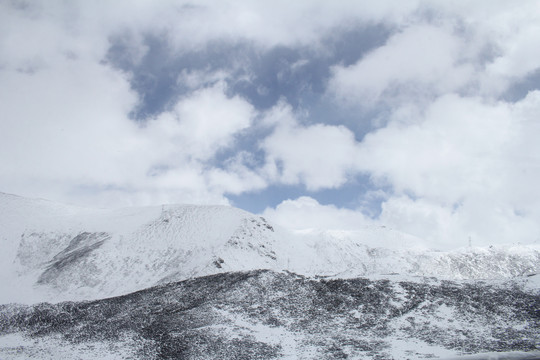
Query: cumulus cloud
{"points": [[466, 170], [465, 146], [318, 156], [422, 59], [206, 121], [280, 23], [467, 48], [455, 146], [518, 57], [58, 122], [307, 213], [65, 134], [485, 222], [450, 156], [504, 29], [236, 178], [464, 167]]}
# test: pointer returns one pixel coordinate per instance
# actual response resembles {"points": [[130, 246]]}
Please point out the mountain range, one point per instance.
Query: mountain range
{"points": [[216, 282]]}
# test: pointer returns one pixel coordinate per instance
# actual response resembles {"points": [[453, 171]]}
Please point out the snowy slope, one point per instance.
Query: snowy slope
{"points": [[56, 252], [385, 251], [82, 253]]}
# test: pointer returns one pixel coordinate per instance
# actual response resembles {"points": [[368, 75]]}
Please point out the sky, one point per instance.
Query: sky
{"points": [[422, 116]]}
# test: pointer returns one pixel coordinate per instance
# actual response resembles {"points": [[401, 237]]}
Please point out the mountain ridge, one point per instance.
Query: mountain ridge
{"points": [[215, 282], [55, 252]]}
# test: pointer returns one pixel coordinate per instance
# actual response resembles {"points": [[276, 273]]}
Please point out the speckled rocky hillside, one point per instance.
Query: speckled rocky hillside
{"points": [[270, 315]]}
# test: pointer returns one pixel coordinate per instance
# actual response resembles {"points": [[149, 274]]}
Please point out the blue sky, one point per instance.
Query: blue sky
{"points": [[418, 115]]}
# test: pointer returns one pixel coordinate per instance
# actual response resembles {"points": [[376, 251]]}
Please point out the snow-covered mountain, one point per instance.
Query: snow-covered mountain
{"points": [[192, 286], [57, 252]]}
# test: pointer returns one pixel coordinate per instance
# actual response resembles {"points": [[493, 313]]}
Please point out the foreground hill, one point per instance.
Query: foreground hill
{"points": [[54, 252], [268, 315]]}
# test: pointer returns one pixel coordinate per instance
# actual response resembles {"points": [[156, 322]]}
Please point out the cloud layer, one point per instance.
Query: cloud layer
{"points": [[132, 103]]}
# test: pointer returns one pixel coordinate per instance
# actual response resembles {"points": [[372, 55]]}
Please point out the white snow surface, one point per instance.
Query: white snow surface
{"points": [[55, 252]]}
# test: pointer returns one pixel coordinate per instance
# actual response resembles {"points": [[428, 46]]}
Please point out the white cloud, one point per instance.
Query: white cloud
{"points": [[420, 59], [458, 165], [187, 25], [472, 165], [65, 135], [466, 168], [307, 213], [475, 47], [482, 221], [455, 147], [520, 54], [236, 179], [206, 121], [509, 28], [319, 156], [462, 145], [59, 121], [267, 24], [65, 132]]}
